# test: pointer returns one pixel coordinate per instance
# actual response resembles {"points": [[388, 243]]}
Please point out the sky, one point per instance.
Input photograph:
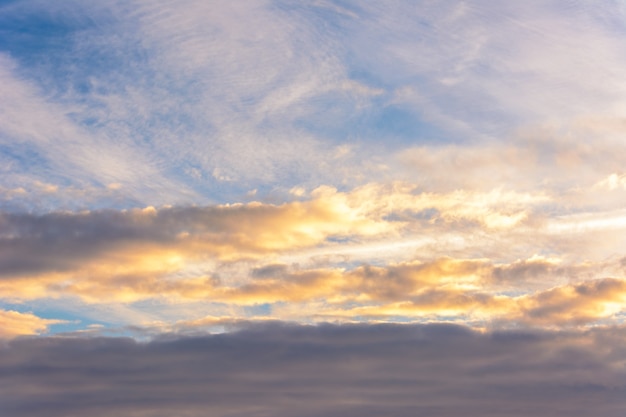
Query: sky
{"points": [[312, 208]]}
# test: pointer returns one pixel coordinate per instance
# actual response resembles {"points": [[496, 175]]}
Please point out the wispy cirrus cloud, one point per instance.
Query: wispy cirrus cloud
{"points": [[37, 131], [197, 103]]}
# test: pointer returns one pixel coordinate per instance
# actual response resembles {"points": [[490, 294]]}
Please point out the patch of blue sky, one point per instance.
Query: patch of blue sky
{"points": [[258, 310], [27, 169], [367, 119], [212, 191], [161, 129], [76, 58], [70, 321], [264, 192], [48, 42], [21, 156], [331, 19], [28, 34], [334, 124], [421, 110], [426, 70], [25, 161], [70, 325], [19, 307], [397, 125], [214, 179], [372, 122], [43, 202], [332, 12]]}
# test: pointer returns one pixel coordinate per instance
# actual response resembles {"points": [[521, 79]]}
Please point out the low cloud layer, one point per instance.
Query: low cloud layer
{"points": [[350, 370]]}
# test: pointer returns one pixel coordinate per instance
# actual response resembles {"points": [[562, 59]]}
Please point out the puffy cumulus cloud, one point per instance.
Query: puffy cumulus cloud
{"points": [[326, 370], [13, 323]]}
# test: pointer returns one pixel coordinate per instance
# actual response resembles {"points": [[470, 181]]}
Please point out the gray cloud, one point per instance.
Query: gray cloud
{"points": [[216, 254], [350, 370], [61, 240]]}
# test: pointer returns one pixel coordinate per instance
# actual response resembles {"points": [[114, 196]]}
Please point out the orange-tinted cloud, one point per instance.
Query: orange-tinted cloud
{"points": [[13, 323], [575, 304], [245, 255]]}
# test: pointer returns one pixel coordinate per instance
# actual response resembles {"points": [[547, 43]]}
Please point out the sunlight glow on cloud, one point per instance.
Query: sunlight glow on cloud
{"points": [[265, 254], [13, 323], [449, 174], [207, 104]]}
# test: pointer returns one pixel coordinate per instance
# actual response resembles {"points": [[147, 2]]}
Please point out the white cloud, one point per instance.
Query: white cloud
{"points": [[67, 152]]}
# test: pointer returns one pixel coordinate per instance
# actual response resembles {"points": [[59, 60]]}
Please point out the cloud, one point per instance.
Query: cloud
{"points": [[248, 230], [132, 254], [282, 370], [476, 291], [458, 176], [381, 251], [420, 162], [576, 304], [13, 323], [36, 132], [538, 158], [172, 102]]}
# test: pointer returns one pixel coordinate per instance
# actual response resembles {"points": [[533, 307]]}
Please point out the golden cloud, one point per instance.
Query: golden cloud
{"points": [[144, 251], [575, 304], [472, 289], [13, 323], [177, 254]]}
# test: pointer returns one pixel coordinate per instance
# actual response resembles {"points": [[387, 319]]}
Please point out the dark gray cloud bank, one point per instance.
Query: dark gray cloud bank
{"points": [[311, 371]]}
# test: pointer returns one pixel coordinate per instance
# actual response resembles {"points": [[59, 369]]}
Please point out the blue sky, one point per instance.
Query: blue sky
{"points": [[176, 170], [193, 105]]}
